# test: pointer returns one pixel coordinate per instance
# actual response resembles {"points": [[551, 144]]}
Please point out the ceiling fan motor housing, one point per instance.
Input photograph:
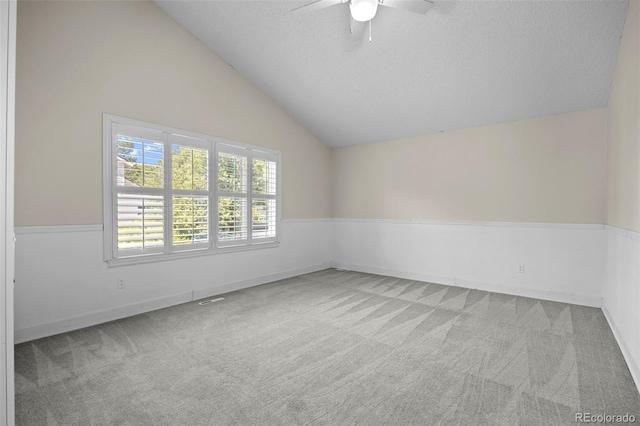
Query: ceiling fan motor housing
{"points": [[363, 10]]}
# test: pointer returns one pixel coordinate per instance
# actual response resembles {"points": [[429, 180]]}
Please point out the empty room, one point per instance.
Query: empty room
{"points": [[333, 212]]}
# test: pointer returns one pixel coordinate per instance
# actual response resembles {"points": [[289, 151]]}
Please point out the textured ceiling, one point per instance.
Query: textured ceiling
{"points": [[464, 64]]}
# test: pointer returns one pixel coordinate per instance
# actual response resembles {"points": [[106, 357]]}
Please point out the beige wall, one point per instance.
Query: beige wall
{"points": [[77, 60], [623, 206], [549, 169]]}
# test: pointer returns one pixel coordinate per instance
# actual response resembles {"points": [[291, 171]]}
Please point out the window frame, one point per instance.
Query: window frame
{"points": [[115, 257]]}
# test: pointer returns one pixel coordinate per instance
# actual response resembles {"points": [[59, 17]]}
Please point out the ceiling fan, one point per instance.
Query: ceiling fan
{"points": [[365, 10]]}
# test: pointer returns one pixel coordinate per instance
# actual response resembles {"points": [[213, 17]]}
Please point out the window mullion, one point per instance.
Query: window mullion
{"points": [[139, 190], [232, 194], [168, 199], [213, 194], [249, 197], [190, 192], [114, 189], [265, 196]]}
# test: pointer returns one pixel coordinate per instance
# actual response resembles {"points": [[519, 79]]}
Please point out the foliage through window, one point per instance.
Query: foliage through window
{"points": [[159, 198]]}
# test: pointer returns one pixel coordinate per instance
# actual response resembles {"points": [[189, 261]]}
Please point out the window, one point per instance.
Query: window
{"points": [[162, 198]]}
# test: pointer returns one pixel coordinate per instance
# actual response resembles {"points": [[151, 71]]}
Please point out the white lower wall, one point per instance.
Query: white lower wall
{"points": [[621, 293], [62, 282], [562, 262]]}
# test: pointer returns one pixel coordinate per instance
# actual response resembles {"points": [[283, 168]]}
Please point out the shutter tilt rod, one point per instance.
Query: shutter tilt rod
{"points": [[370, 24]]}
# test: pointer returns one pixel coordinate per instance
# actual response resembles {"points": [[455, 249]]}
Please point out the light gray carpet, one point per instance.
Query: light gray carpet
{"points": [[332, 348]]}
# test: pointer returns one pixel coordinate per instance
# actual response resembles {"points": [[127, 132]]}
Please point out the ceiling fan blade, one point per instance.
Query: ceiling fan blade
{"points": [[316, 5], [418, 6]]}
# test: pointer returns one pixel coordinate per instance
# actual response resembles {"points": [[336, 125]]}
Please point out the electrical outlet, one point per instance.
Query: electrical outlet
{"points": [[521, 269], [120, 283]]}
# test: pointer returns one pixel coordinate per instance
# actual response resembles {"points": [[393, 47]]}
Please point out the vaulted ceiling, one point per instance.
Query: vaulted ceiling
{"points": [[464, 64]]}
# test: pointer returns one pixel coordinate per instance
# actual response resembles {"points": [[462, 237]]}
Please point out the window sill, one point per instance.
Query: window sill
{"points": [[163, 257]]}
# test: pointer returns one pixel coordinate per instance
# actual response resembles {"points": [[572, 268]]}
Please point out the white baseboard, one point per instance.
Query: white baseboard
{"points": [[576, 299], [239, 285], [99, 317], [632, 360]]}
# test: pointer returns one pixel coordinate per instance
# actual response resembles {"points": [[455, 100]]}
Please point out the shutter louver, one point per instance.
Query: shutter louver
{"points": [[140, 221], [263, 223], [232, 218], [190, 220], [140, 161]]}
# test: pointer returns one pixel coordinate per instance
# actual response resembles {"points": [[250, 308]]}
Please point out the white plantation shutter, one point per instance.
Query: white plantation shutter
{"points": [[140, 221], [233, 180], [139, 195], [263, 197], [190, 220], [177, 193], [190, 205]]}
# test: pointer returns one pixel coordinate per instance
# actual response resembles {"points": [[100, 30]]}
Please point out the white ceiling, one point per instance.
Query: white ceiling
{"points": [[464, 64]]}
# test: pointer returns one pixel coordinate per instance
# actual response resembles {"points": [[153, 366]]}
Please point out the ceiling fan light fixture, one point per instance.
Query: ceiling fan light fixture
{"points": [[363, 10]]}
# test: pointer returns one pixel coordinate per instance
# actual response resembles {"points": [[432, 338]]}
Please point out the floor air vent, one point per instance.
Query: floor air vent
{"points": [[206, 302]]}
